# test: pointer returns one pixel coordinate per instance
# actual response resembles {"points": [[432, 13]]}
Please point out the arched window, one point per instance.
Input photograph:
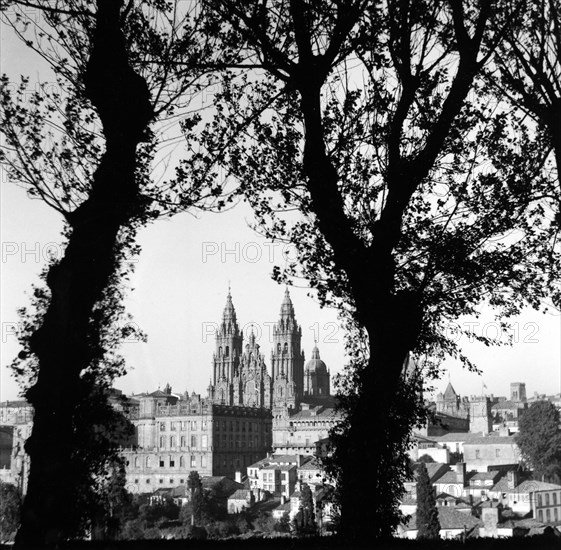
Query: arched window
{"points": [[278, 348], [285, 350], [182, 462], [227, 351], [148, 462], [172, 441], [220, 351], [137, 462], [162, 441]]}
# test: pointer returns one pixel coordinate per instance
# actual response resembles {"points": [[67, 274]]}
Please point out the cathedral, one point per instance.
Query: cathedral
{"points": [[240, 376], [247, 413]]}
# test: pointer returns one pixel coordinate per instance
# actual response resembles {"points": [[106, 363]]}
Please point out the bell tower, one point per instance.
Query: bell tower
{"points": [[226, 358], [287, 358]]}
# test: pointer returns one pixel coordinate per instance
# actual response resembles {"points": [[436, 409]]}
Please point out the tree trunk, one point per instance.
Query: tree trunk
{"points": [[64, 344]]}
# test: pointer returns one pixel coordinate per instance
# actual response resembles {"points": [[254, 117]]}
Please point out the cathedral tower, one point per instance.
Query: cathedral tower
{"points": [[287, 358], [226, 358], [316, 376]]}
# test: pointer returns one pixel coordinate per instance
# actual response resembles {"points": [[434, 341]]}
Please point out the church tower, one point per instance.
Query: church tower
{"points": [[226, 358], [287, 358], [316, 376]]}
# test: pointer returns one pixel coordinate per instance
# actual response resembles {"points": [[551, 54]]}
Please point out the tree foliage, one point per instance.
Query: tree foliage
{"points": [[89, 147], [539, 439], [305, 519], [10, 511], [427, 515], [420, 199]]}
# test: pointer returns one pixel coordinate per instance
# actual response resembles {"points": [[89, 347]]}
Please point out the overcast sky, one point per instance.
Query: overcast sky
{"points": [[180, 288]]}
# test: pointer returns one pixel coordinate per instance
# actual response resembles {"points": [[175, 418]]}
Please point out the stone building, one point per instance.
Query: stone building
{"points": [[246, 413], [177, 434]]}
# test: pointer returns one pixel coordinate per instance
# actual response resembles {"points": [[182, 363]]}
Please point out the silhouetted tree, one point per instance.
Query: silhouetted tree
{"points": [[539, 439], [428, 525], [10, 511], [192, 512], [86, 150], [305, 519], [361, 119], [527, 74]]}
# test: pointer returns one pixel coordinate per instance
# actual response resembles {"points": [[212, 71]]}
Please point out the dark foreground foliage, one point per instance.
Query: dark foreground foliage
{"points": [[543, 542]]}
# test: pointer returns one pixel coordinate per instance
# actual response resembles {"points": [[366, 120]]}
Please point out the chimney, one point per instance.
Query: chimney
{"points": [[512, 479], [461, 473], [298, 461], [238, 476], [283, 499]]}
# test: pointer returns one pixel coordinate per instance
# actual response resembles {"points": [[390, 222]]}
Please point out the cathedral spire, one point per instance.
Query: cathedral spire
{"points": [[229, 314], [287, 309]]}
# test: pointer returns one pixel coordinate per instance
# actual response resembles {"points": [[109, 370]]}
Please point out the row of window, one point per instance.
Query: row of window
{"points": [[150, 462], [548, 515], [173, 441], [193, 425], [183, 425], [546, 499], [161, 481]]}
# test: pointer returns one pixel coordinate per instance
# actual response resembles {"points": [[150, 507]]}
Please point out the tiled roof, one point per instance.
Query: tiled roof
{"points": [[283, 507], [449, 477], [491, 440], [449, 518], [524, 486], [531, 485], [312, 464], [455, 436]]}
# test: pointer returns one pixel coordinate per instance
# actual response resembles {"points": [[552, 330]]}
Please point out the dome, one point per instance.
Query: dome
{"points": [[315, 364]]}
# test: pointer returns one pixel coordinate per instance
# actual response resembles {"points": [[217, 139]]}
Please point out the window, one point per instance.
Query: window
{"points": [[547, 499], [162, 426], [172, 441], [162, 441], [555, 515], [193, 461], [171, 462], [477, 453], [137, 462], [194, 425], [203, 425], [204, 441], [554, 499], [203, 461], [161, 462], [497, 453], [161, 481], [147, 482], [171, 481], [540, 515], [548, 515], [194, 441], [183, 441], [136, 481], [181, 481], [172, 426], [148, 462], [539, 499]]}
